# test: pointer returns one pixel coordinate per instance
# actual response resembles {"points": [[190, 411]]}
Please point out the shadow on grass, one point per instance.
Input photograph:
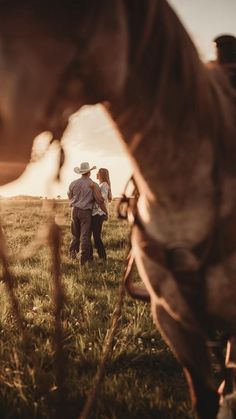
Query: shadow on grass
{"points": [[116, 244], [146, 363]]}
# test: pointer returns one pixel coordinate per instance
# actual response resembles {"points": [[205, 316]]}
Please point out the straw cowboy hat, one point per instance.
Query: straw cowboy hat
{"points": [[84, 168]]}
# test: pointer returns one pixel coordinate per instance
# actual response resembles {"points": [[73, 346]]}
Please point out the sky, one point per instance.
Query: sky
{"points": [[92, 137]]}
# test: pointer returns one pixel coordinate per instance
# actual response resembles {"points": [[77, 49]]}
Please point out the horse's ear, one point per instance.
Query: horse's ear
{"points": [[107, 52]]}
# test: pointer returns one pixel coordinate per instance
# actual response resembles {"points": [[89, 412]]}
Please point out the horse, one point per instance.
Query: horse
{"points": [[177, 119]]}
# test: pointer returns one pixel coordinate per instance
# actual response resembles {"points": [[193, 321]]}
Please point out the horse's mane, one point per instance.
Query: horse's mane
{"points": [[187, 94]]}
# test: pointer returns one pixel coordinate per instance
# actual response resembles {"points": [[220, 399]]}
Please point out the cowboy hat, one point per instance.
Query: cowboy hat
{"points": [[83, 168]]}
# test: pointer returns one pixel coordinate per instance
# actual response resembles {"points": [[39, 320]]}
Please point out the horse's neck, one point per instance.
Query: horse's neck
{"points": [[171, 116], [162, 87], [175, 119]]}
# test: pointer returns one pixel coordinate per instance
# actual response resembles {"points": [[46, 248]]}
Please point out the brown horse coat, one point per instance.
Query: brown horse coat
{"points": [[177, 118]]}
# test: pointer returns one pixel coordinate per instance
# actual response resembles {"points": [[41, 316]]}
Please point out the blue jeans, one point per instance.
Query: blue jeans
{"points": [[97, 222]]}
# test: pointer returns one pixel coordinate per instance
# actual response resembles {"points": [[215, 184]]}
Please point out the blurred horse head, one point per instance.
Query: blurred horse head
{"points": [[177, 118], [55, 57]]}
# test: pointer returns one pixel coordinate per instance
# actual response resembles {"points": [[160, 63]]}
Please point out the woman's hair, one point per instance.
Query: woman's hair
{"points": [[104, 176]]}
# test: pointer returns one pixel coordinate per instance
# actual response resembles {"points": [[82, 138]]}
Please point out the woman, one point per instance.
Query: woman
{"points": [[98, 215]]}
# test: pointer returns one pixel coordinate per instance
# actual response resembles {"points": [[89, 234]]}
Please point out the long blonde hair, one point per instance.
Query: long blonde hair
{"points": [[105, 177]]}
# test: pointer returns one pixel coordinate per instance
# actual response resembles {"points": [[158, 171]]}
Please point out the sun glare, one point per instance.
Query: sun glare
{"points": [[90, 136]]}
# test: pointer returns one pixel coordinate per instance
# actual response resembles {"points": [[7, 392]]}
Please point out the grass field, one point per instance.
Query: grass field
{"points": [[143, 380]]}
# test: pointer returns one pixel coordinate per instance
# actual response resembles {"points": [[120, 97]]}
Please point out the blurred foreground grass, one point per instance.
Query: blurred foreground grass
{"points": [[143, 380]]}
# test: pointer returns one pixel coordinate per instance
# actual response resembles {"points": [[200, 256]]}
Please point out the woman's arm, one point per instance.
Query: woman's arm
{"points": [[104, 187], [98, 197]]}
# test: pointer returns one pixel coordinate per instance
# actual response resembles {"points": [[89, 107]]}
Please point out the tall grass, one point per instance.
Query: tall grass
{"points": [[143, 380]]}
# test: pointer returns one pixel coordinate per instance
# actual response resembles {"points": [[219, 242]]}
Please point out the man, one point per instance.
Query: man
{"points": [[226, 55], [82, 194]]}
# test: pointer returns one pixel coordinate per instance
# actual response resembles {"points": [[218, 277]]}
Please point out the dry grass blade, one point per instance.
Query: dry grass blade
{"points": [[106, 354], [54, 240], [7, 278]]}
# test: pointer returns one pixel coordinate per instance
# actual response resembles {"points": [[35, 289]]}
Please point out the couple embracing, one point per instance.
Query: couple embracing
{"points": [[89, 202]]}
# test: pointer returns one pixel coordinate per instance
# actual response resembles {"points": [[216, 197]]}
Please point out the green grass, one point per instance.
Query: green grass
{"points": [[143, 379]]}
